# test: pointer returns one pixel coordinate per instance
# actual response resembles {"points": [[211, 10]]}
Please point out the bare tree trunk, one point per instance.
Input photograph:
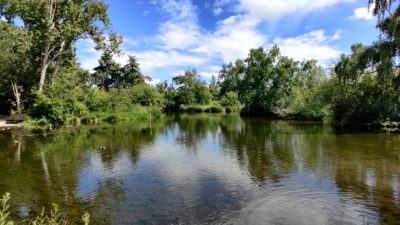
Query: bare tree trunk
{"points": [[47, 50], [17, 95], [59, 58], [43, 69]]}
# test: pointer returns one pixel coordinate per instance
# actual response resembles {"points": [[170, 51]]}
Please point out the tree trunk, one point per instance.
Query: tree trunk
{"points": [[59, 58], [43, 69], [47, 50], [17, 96]]}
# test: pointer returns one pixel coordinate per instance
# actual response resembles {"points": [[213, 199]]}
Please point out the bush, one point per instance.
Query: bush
{"points": [[89, 120], [232, 109], [112, 119], [192, 108], [230, 99], [215, 109]]}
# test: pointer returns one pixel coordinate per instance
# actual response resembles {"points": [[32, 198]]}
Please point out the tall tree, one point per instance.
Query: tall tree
{"points": [[56, 26], [110, 47], [268, 77], [214, 87], [191, 90]]}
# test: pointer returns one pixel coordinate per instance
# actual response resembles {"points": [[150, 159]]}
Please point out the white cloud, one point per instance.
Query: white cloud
{"points": [[153, 82], [210, 71], [217, 11], [180, 35], [181, 42], [313, 45], [362, 14], [178, 9], [337, 35], [232, 39], [150, 60], [275, 9], [90, 57], [181, 30]]}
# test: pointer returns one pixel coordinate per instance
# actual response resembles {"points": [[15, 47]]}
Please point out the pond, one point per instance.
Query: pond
{"points": [[202, 169]]}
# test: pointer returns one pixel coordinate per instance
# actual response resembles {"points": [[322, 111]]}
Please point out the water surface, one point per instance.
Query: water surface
{"points": [[202, 169]]}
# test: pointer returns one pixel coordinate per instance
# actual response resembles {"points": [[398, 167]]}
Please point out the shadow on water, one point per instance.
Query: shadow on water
{"points": [[191, 169]]}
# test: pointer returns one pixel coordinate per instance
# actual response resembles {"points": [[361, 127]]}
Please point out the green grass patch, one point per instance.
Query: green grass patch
{"points": [[211, 108], [139, 114], [54, 217]]}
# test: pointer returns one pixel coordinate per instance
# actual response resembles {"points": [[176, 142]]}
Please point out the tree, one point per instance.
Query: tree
{"points": [[231, 76], [190, 89], [214, 87], [131, 73], [15, 44], [107, 66], [56, 26], [109, 74], [268, 77]]}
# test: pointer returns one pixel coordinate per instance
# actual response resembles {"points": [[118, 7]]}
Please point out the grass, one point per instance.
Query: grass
{"points": [[137, 114], [214, 107], [141, 114], [55, 217], [210, 108]]}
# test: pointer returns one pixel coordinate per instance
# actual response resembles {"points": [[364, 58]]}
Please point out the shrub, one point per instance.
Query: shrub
{"points": [[112, 119], [215, 109], [89, 120], [192, 108]]}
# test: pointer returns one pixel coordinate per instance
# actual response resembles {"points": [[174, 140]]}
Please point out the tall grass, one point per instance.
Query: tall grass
{"points": [[211, 108], [54, 218]]}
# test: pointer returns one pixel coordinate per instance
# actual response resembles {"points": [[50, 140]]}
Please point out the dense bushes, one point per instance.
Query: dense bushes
{"points": [[211, 108], [68, 97]]}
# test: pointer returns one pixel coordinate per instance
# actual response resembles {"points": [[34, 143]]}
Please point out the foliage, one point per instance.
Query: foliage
{"points": [[15, 44], [365, 95], [65, 96], [307, 98], [230, 99], [214, 88], [54, 218], [139, 113], [269, 84], [190, 89], [110, 74], [4, 210], [215, 107]]}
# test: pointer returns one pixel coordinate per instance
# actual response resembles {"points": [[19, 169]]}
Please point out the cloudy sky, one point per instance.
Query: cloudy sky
{"points": [[170, 36]]}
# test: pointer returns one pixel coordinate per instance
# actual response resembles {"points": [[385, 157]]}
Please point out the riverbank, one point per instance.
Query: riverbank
{"points": [[4, 124]]}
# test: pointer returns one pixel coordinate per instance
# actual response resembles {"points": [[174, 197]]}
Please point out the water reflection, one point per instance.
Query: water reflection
{"points": [[199, 169]]}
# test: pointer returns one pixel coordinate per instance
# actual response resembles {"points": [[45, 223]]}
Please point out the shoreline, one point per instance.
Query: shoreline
{"points": [[4, 124]]}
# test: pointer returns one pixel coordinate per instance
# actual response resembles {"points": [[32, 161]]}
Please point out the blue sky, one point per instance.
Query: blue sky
{"points": [[170, 36]]}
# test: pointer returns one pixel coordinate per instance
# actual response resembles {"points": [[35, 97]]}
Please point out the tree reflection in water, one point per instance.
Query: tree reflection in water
{"points": [[205, 169]]}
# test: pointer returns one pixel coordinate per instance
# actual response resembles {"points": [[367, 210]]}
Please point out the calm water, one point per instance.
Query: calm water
{"points": [[205, 170]]}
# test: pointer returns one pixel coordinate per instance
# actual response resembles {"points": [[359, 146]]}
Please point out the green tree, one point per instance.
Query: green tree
{"points": [[190, 89], [56, 25], [214, 87], [268, 78], [110, 47], [231, 76], [15, 44], [169, 93], [230, 99]]}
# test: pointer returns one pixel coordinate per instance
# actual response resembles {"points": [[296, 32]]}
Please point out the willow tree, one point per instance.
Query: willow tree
{"points": [[56, 25]]}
